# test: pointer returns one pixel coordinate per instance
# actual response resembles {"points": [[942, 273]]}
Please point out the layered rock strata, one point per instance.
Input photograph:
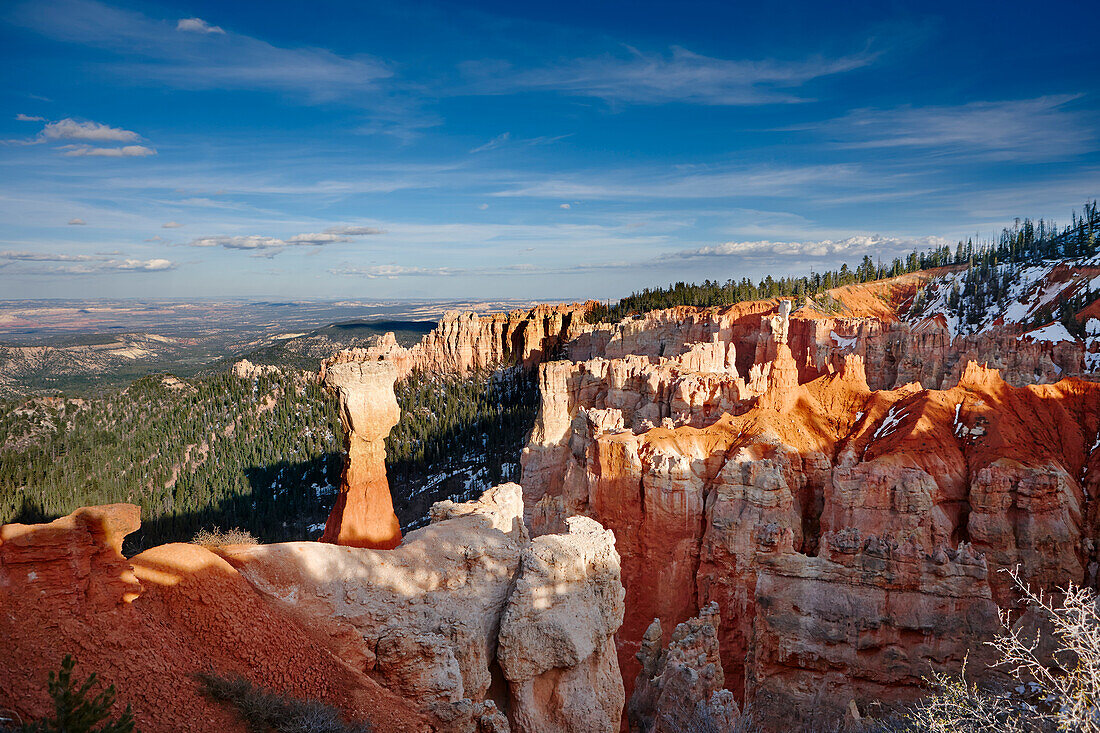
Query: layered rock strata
{"points": [[363, 515], [850, 537], [465, 342], [557, 647]]}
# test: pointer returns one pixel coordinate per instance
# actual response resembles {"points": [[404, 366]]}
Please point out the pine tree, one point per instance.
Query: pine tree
{"points": [[74, 712]]}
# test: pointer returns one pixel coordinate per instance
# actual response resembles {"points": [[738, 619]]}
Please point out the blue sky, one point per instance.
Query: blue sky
{"points": [[556, 150]]}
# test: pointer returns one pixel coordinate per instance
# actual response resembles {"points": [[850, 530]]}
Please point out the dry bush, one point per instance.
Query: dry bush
{"points": [[1057, 691], [266, 710], [216, 537]]}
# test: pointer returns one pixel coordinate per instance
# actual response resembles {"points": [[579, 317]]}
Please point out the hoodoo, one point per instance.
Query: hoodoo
{"points": [[363, 514]]}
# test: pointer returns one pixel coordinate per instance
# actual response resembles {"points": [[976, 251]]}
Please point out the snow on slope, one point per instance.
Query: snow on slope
{"points": [[1033, 292]]}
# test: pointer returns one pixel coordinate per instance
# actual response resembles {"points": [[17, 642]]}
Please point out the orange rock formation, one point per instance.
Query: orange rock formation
{"points": [[148, 624], [850, 537], [363, 515]]}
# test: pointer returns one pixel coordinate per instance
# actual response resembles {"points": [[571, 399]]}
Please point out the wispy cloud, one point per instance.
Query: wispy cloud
{"points": [[679, 76], [77, 222], [29, 118], [171, 225], [1042, 128], [88, 264], [257, 242], [88, 151], [23, 256], [506, 138], [496, 142], [197, 25], [203, 58], [703, 182], [855, 246], [351, 230]]}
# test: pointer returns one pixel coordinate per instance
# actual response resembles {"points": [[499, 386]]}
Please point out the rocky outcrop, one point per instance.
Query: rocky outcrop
{"points": [[148, 624], [363, 515], [468, 626], [467, 617], [557, 647], [423, 617], [681, 688]]}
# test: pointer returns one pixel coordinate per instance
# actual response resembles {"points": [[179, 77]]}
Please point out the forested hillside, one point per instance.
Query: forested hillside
{"points": [[1026, 242], [261, 454]]}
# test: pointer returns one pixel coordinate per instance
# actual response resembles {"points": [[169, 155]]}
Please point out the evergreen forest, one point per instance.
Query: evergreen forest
{"points": [[263, 455], [1026, 242]]}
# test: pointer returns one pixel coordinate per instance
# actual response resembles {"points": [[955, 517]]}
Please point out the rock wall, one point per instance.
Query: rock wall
{"points": [[557, 647], [465, 342]]}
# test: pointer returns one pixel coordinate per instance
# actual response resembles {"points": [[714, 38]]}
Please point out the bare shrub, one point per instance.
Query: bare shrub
{"points": [[1050, 691], [266, 710], [215, 537]]}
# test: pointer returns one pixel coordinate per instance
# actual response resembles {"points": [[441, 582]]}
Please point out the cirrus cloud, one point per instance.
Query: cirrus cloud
{"points": [[680, 76], [88, 151]]}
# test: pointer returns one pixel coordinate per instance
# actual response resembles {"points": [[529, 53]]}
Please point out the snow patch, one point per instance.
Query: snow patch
{"points": [[1054, 333], [843, 343], [889, 424]]}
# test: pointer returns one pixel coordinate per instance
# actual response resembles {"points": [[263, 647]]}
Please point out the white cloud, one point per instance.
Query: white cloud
{"points": [[564, 206], [680, 76], [483, 207], [197, 25], [272, 245], [858, 245], [394, 271], [153, 265], [91, 137], [127, 151], [171, 225], [70, 129], [1036, 129], [29, 118], [89, 264], [245, 241], [77, 222], [316, 240]]}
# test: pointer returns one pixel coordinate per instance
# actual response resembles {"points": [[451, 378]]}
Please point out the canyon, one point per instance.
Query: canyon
{"points": [[760, 511]]}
